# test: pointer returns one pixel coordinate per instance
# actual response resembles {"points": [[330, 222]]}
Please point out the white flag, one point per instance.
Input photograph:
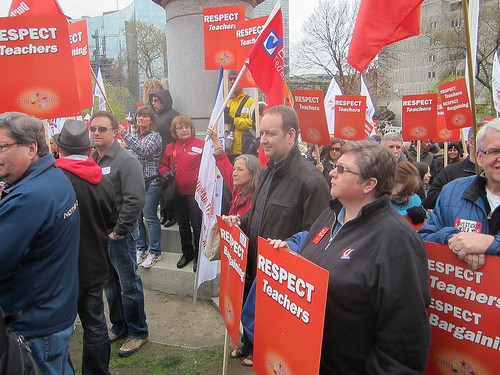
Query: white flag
{"points": [[495, 82], [333, 90], [97, 91], [370, 110], [209, 191]]}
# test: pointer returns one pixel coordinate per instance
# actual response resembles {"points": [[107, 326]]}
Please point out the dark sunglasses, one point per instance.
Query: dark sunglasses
{"points": [[102, 129], [341, 169]]}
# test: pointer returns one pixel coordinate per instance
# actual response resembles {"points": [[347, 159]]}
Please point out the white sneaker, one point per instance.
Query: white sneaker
{"points": [[141, 255], [151, 259]]}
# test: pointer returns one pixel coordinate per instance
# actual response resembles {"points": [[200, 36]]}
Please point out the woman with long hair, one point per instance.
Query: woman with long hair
{"points": [[241, 178], [145, 144]]}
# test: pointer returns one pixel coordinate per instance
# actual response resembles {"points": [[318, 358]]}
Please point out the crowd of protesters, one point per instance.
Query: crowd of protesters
{"points": [[348, 186]]}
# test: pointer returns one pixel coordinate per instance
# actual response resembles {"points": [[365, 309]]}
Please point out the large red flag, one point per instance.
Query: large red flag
{"points": [[35, 8], [265, 60], [380, 23]]}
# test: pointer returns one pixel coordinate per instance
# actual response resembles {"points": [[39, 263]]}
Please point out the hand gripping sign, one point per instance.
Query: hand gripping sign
{"points": [[464, 314], [290, 306]]}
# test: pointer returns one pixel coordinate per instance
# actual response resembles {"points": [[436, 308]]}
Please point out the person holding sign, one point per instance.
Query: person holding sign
{"points": [[466, 216], [290, 194], [375, 320]]}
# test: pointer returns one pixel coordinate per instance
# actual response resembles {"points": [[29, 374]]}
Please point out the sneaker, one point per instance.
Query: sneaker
{"points": [[150, 261], [131, 346], [113, 336], [141, 255]]}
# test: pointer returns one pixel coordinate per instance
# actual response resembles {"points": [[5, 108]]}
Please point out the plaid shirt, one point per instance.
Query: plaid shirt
{"points": [[147, 149]]}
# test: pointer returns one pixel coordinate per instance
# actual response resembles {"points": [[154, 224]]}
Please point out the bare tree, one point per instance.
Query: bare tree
{"points": [[146, 47], [449, 42], [325, 46]]}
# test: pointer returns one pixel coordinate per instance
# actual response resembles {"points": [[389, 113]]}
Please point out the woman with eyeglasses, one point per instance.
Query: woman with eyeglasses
{"points": [[378, 291], [329, 156], [145, 144], [185, 154]]}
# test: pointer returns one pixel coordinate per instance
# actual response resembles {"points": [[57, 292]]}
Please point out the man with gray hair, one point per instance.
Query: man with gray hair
{"points": [[394, 142], [466, 216], [40, 233]]}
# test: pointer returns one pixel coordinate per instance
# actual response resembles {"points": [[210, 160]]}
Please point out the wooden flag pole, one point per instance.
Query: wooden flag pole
{"points": [[471, 71]]}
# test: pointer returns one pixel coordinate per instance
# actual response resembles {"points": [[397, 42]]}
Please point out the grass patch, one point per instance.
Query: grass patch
{"points": [[154, 359]]}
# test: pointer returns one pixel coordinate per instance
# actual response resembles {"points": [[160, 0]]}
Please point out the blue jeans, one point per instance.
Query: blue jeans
{"points": [[150, 213], [96, 346], [124, 290], [51, 353]]}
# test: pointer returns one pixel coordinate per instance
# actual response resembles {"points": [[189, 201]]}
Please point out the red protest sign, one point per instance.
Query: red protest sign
{"points": [[443, 134], [419, 117], [456, 105], [79, 41], [219, 30], [464, 314], [312, 118], [350, 113], [233, 255], [246, 35], [38, 72], [290, 306]]}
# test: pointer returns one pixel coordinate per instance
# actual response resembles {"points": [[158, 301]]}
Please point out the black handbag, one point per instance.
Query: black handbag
{"points": [[169, 192]]}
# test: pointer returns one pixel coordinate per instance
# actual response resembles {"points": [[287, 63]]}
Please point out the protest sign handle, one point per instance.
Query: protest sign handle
{"points": [[226, 353], [221, 110], [316, 148]]}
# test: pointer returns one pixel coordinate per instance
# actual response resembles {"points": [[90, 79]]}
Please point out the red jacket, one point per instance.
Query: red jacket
{"points": [[187, 159], [226, 169]]}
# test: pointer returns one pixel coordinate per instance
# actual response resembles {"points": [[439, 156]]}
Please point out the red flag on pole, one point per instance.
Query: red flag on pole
{"points": [[380, 23], [265, 60], [35, 8]]}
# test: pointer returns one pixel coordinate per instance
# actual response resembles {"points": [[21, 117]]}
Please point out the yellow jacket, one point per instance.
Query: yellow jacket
{"points": [[242, 123]]}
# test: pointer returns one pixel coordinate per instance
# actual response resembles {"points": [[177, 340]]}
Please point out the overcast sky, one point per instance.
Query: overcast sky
{"points": [[299, 10]]}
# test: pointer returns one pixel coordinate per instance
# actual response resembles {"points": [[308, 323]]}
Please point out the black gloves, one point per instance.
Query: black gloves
{"points": [[228, 119]]}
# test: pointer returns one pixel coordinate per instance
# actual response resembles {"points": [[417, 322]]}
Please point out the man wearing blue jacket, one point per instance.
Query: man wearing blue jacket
{"points": [[39, 236], [466, 216]]}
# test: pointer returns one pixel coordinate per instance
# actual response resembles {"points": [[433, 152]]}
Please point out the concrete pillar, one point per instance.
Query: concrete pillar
{"points": [[192, 87]]}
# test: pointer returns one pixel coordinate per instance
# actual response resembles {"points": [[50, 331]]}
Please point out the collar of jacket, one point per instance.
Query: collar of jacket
{"points": [[110, 152], [284, 166], [35, 169], [477, 189], [367, 209]]}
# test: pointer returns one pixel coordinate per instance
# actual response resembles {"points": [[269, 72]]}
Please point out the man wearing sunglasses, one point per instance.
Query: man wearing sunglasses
{"points": [[124, 290], [466, 217]]}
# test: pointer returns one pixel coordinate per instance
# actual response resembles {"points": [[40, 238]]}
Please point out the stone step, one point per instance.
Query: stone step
{"points": [[165, 277], [170, 239]]}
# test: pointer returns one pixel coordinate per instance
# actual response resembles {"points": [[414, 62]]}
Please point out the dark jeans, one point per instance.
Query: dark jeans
{"points": [[188, 215], [96, 346], [124, 290]]}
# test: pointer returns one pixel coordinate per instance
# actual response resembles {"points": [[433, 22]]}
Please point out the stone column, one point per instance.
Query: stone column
{"points": [[192, 87]]}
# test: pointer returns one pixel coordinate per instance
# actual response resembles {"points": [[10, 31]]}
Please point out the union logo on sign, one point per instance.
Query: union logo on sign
{"points": [[271, 43]]}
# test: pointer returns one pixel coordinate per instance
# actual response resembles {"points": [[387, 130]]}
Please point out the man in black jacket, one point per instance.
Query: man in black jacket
{"points": [[95, 196], [464, 168]]}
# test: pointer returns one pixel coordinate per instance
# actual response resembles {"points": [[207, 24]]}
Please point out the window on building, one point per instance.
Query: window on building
{"points": [[431, 75], [432, 58], [455, 23], [434, 24]]}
